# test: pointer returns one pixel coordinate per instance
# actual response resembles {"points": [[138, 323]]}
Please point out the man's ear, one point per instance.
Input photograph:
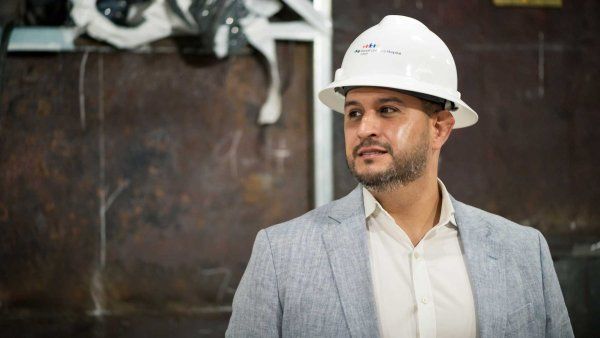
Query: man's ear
{"points": [[443, 121]]}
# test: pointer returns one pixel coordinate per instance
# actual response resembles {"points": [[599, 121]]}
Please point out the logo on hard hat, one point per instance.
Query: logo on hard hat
{"points": [[371, 47], [366, 48]]}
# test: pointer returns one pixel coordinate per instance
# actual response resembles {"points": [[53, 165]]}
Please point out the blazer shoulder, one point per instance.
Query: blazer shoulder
{"points": [[317, 219], [501, 225], [312, 220]]}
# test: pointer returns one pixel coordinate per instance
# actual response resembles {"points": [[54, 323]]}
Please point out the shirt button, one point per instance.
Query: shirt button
{"points": [[417, 256], [424, 300]]}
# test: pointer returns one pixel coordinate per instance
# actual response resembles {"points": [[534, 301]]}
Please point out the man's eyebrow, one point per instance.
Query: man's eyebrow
{"points": [[351, 103], [390, 99], [380, 101]]}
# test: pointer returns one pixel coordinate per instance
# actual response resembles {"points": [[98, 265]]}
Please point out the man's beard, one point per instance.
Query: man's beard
{"points": [[405, 168]]}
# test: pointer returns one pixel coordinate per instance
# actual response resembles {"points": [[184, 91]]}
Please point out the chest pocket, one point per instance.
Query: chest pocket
{"points": [[519, 318]]}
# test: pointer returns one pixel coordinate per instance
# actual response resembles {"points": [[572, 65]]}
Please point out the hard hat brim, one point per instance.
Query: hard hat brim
{"points": [[464, 116]]}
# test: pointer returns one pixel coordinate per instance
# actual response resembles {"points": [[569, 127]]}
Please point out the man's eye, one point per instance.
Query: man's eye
{"points": [[352, 114], [387, 110]]}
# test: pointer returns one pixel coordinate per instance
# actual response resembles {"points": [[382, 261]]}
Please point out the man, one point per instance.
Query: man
{"points": [[398, 256]]}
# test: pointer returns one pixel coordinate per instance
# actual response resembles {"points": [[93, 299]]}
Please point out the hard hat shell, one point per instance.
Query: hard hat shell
{"points": [[400, 53]]}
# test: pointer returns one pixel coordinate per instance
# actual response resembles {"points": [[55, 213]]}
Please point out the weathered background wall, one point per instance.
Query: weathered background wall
{"points": [[167, 157], [165, 154]]}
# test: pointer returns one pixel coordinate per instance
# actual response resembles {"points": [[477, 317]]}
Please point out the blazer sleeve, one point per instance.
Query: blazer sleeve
{"points": [[558, 323], [256, 310]]}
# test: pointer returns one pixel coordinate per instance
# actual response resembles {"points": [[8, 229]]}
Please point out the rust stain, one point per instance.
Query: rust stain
{"points": [[199, 223], [180, 285], [153, 170], [42, 168], [50, 206], [44, 107], [31, 140], [255, 187], [3, 213], [159, 192], [60, 144], [184, 198]]}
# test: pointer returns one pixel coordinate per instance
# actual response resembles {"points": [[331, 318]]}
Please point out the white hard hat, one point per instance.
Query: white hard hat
{"points": [[400, 53]]}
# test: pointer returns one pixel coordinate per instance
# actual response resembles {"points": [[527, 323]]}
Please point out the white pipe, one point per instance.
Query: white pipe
{"points": [[322, 116]]}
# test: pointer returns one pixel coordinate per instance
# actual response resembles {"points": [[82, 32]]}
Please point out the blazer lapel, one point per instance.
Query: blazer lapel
{"points": [[485, 265], [345, 241]]}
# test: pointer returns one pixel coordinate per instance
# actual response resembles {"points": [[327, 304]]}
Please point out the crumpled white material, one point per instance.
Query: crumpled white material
{"points": [[160, 22], [258, 35]]}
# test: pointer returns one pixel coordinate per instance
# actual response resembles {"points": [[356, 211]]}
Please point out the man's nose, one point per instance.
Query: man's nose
{"points": [[369, 125]]}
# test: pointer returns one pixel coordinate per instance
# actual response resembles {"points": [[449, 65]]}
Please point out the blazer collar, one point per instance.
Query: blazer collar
{"points": [[345, 240], [348, 206], [486, 267]]}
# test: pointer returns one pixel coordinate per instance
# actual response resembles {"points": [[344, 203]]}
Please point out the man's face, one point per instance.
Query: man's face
{"points": [[387, 137]]}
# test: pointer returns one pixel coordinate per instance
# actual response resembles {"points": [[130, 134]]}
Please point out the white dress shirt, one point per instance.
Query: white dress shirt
{"points": [[424, 290]]}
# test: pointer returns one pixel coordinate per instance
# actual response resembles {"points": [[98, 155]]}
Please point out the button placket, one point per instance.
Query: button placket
{"points": [[423, 294]]}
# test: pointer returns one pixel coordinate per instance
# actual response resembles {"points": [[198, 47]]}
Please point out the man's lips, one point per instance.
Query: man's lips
{"points": [[368, 152]]}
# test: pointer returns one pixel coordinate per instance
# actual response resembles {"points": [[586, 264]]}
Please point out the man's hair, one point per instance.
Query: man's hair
{"points": [[430, 108]]}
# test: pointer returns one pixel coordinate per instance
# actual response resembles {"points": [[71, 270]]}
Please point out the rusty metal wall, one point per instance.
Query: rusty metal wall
{"points": [[163, 152], [168, 157]]}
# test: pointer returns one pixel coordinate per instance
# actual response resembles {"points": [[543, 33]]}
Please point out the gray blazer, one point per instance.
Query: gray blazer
{"points": [[310, 277]]}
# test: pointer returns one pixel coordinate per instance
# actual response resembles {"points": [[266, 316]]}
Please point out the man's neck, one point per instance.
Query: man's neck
{"points": [[415, 207]]}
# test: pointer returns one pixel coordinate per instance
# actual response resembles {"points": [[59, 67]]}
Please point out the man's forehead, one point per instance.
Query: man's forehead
{"points": [[357, 92]]}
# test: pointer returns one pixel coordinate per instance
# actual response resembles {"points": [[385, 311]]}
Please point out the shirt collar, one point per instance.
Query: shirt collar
{"points": [[446, 212]]}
